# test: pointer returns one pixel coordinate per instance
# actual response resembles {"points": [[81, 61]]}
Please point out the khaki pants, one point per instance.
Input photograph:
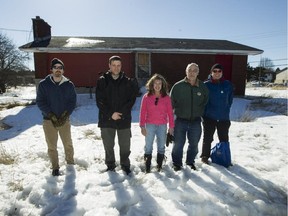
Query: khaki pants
{"points": [[51, 136]]}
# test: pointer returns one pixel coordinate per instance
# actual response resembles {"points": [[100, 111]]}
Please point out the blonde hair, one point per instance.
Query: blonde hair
{"points": [[150, 85]]}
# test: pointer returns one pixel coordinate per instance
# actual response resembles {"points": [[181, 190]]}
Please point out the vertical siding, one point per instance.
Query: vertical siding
{"points": [[83, 69], [172, 66], [239, 74], [42, 65], [226, 62]]}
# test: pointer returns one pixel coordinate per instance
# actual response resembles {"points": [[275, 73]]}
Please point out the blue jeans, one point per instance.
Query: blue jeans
{"points": [[193, 131], [160, 132]]}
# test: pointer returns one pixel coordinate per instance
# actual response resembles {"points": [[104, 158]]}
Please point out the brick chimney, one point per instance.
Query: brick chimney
{"points": [[41, 29]]}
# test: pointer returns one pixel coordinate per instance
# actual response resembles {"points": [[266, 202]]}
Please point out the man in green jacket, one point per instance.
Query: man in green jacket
{"points": [[189, 97]]}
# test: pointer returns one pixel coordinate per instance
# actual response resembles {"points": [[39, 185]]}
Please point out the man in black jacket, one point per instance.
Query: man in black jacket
{"points": [[115, 97]]}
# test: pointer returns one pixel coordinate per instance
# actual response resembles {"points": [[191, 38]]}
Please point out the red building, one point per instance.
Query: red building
{"points": [[85, 58]]}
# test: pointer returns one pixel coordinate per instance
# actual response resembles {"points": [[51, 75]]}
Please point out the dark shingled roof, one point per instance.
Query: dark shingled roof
{"points": [[131, 44]]}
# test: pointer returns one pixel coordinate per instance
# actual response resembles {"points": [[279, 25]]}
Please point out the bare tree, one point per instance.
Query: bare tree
{"points": [[11, 60], [266, 63]]}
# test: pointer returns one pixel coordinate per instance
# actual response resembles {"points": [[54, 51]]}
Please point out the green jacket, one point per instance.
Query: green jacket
{"points": [[189, 101]]}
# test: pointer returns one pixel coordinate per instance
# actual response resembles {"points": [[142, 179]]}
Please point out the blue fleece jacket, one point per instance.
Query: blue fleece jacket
{"points": [[220, 100], [56, 98]]}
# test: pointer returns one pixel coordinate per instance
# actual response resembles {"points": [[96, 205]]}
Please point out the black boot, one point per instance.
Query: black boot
{"points": [[160, 158], [147, 158]]}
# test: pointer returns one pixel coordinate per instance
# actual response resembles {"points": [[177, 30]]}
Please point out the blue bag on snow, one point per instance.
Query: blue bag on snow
{"points": [[220, 154]]}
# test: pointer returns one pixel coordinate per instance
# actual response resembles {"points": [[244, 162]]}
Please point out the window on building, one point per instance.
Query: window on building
{"points": [[143, 65]]}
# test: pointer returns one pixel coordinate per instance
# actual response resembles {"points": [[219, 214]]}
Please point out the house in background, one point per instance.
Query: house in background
{"points": [[86, 58], [268, 75], [282, 77]]}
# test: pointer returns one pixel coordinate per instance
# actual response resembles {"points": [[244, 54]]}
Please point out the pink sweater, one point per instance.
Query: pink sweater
{"points": [[162, 113]]}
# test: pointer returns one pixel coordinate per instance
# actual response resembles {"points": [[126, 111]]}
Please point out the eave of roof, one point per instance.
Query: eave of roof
{"points": [[105, 50], [128, 45]]}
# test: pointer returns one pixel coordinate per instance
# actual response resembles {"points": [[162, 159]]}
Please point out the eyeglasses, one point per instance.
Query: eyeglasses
{"points": [[156, 101], [217, 71], [58, 68]]}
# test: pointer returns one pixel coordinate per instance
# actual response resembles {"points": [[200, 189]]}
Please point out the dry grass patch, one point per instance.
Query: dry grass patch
{"points": [[4, 126], [279, 87], [246, 117], [5, 157], [16, 186], [15, 104], [90, 134]]}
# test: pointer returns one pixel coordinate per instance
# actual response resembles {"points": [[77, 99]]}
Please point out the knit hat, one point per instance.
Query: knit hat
{"points": [[56, 61], [217, 66]]}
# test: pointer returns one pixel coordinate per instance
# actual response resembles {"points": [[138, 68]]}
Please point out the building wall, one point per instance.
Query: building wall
{"points": [[282, 77], [84, 69], [172, 66], [239, 74], [42, 65]]}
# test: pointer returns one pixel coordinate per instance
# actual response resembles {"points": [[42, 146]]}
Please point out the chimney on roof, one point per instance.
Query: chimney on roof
{"points": [[41, 29]]}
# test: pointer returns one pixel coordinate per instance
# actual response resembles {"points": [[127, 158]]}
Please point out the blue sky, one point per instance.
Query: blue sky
{"points": [[258, 23]]}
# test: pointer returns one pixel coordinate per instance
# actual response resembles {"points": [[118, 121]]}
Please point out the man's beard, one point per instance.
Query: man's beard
{"points": [[57, 75]]}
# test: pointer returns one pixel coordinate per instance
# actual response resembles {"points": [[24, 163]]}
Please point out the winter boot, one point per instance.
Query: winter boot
{"points": [[147, 158], [160, 158]]}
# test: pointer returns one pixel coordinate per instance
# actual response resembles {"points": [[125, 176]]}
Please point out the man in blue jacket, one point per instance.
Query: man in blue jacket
{"points": [[217, 110], [56, 98]]}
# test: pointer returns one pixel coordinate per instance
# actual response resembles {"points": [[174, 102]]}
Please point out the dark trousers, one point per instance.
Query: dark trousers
{"points": [[108, 137], [209, 127]]}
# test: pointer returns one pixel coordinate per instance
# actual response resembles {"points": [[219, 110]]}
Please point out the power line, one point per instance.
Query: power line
{"points": [[269, 59], [260, 35], [19, 30], [280, 65]]}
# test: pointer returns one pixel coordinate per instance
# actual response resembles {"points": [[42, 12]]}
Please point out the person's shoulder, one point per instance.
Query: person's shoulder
{"points": [[105, 75], [103, 79], [207, 81], [70, 83], [202, 83], [179, 83], [167, 98], [145, 97], [127, 78], [228, 83], [203, 86], [47, 79]]}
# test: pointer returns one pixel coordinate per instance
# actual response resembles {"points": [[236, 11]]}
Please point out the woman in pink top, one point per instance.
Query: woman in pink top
{"points": [[155, 112]]}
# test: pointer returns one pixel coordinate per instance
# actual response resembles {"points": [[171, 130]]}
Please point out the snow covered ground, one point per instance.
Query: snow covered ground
{"points": [[255, 185]]}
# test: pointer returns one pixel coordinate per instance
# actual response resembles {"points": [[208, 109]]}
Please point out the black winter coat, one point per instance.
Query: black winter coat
{"points": [[115, 96]]}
